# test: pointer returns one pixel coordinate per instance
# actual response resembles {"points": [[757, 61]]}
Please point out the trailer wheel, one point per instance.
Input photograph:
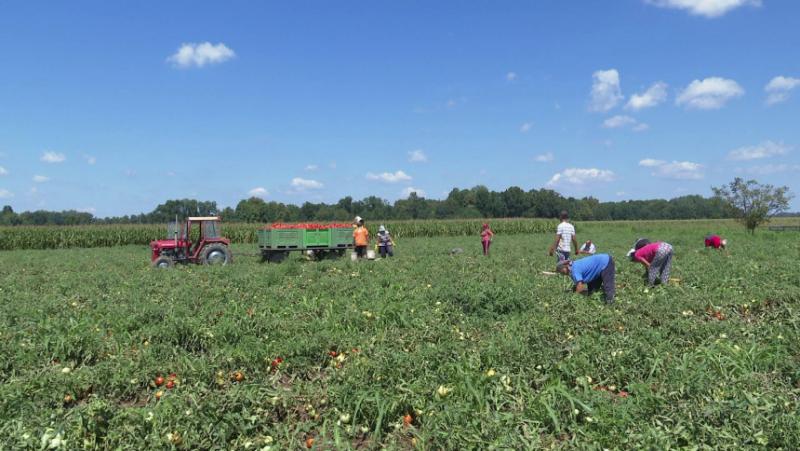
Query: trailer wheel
{"points": [[163, 262], [275, 256], [217, 254]]}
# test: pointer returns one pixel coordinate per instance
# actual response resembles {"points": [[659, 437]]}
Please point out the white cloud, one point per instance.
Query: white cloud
{"points": [[417, 156], [53, 157], [199, 55], [621, 121], [778, 89], [90, 210], [406, 192], [388, 177], [301, 183], [709, 94], [606, 93], [653, 96], [618, 121], [649, 162], [678, 170], [6, 194], [580, 176], [90, 159], [544, 157], [511, 76], [258, 192], [764, 150], [41, 178], [620, 193], [768, 169], [706, 8], [525, 127], [312, 167], [3, 171]]}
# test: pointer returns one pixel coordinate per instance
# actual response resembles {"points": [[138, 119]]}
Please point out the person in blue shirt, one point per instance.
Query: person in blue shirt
{"points": [[591, 274]]}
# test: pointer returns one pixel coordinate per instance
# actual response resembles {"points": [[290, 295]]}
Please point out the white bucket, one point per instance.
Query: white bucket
{"points": [[353, 256], [370, 254]]}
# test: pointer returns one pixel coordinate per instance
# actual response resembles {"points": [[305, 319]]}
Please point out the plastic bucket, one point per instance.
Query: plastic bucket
{"points": [[353, 256], [370, 254]]}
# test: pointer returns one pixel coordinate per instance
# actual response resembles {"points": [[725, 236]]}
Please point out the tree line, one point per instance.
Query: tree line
{"points": [[476, 202]]}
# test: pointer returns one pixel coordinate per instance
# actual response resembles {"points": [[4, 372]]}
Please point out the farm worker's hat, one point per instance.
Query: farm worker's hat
{"points": [[724, 243], [381, 228], [630, 253], [485, 225], [357, 220]]}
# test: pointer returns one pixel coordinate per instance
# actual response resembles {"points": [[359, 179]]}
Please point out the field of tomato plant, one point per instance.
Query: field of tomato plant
{"points": [[425, 350]]}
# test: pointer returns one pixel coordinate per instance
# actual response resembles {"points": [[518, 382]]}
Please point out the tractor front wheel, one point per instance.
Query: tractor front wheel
{"points": [[163, 262], [217, 254]]}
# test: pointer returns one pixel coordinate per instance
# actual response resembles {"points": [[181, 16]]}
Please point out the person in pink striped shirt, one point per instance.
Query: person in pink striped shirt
{"points": [[656, 257]]}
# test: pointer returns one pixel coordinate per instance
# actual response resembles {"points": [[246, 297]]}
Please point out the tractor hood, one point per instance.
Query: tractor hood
{"points": [[167, 244]]}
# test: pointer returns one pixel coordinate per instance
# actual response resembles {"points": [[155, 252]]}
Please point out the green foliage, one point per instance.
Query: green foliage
{"points": [[477, 202], [752, 203], [44, 237], [482, 353]]}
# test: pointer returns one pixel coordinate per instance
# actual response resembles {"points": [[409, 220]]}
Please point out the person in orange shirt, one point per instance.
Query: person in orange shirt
{"points": [[361, 239]]}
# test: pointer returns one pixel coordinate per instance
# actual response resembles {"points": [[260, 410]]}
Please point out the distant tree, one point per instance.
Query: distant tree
{"points": [[752, 203]]}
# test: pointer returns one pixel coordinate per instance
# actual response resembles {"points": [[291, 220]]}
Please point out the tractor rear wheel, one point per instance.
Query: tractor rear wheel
{"points": [[217, 254], [163, 262]]}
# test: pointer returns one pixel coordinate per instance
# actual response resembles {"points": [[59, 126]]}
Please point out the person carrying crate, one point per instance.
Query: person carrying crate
{"points": [[385, 242]]}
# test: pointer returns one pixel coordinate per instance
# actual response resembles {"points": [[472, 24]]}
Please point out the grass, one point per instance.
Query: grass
{"points": [[479, 352]]}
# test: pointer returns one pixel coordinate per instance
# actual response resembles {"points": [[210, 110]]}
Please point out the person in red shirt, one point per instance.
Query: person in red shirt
{"points": [[657, 258], [716, 242], [486, 238]]}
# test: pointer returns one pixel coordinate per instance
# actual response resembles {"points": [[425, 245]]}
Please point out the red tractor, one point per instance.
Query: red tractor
{"points": [[210, 249]]}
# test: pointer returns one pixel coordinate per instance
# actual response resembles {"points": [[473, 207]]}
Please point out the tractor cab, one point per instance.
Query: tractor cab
{"points": [[198, 240]]}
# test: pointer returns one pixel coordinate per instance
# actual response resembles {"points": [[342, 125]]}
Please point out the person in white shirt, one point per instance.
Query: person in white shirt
{"points": [[565, 239], [588, 248]]}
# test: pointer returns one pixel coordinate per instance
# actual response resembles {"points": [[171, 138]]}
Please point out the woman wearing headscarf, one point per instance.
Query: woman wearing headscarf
{"points": [[385, 242], [656, 257]]}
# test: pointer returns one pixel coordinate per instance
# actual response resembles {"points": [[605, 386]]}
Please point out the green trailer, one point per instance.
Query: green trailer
{"points": [[316, 240]]}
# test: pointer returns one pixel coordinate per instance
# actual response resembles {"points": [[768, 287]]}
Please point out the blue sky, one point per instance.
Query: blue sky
{"points": [[113, 107]]}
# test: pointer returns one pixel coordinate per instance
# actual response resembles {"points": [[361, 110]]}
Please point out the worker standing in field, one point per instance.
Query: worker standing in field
{"points": [[486, 238], [657, 258], [361, 238], [385, 242], [716, 242], [565, 239], [591, 274]]}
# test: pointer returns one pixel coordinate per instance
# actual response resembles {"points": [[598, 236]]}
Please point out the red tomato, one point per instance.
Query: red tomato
{"points": [[170, 385], [333, 354], [159, 381], [309, 442]]}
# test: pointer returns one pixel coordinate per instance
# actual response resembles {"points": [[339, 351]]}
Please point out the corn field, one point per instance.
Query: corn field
{"points": [[59, 237]]}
